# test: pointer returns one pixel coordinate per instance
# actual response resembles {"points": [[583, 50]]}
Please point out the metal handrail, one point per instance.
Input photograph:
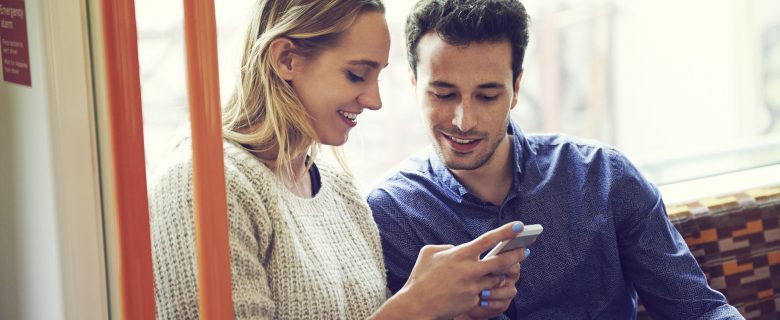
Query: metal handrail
{"points": [[211, 220], [136, 277]]}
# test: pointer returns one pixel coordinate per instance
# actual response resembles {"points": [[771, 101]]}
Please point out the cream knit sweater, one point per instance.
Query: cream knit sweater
{"points": [[291, 258]]}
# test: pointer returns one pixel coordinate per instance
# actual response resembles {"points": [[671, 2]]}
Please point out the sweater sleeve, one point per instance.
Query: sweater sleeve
{"points": [[250, 243], [174, 248]]}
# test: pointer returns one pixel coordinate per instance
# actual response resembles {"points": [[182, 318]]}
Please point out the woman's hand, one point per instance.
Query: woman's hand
{"points": [[447, 281], [499, 297]]}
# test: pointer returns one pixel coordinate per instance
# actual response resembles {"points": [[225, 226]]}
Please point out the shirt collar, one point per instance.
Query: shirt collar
{"points": [[456, 190]]}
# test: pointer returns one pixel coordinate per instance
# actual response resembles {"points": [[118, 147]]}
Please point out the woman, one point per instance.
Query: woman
{"points": [[302, 241]]}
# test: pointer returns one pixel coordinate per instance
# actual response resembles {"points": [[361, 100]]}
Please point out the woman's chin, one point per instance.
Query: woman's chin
{"points": [[334, 141]]}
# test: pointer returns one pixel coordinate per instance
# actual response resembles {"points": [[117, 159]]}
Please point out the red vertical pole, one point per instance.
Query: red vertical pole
{"points": [[211, 222], [127, 143]]}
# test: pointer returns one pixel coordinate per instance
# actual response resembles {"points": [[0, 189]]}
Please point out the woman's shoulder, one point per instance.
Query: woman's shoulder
{"points": [[242, 170], [250, 197], [174, 171], [241, 164]]}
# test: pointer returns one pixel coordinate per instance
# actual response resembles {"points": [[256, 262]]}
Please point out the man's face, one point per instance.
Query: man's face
{"points": [[465, 93]]}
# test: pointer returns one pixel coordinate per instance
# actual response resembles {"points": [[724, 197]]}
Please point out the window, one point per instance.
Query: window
{"points": [[685, 89]]}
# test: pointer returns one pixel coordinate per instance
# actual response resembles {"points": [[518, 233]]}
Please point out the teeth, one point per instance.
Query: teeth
{"points": [[350, 116], [461, 141]]}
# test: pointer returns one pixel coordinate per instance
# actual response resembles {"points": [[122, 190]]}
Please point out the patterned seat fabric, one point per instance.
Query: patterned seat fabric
{"points": [[736, 240]]}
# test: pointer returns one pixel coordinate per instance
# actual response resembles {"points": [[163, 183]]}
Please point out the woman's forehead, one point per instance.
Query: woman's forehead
{"points": [[368, 39]]}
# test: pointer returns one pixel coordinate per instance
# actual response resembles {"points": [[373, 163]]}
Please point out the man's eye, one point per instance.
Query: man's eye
{"points": [[444, 96], [353, 77], [489, 98]]}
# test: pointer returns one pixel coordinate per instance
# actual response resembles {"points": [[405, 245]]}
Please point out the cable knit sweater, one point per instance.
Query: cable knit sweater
{"points": [[291, 258]]}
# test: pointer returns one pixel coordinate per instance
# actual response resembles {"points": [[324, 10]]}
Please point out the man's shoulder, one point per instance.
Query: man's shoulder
{"points": [[582, 150], [404, 179], [561, 140]]}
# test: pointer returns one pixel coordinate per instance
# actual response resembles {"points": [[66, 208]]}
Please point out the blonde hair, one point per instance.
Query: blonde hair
{"points": [[264, 111]]}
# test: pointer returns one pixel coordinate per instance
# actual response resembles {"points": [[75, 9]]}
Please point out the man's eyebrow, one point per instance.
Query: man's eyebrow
{"points": [[364, 62], [491, 85], [442, 84]]}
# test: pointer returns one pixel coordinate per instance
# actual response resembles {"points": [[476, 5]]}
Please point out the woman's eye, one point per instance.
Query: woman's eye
{"points": [[489, 98], [444, 96], [353, 77]]}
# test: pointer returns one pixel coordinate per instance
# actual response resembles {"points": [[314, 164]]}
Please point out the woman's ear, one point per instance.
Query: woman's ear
{"points": [[282, 57]]}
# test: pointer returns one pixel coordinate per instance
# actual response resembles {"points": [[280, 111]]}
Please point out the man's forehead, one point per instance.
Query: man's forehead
{"points": [[432, 42], [487, 61]]}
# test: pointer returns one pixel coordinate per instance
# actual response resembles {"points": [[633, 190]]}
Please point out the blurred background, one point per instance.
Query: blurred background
{"points": [[686, 89]]}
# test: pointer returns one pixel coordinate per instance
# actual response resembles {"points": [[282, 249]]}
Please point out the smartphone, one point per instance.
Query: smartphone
{"points": [[523, 239]]}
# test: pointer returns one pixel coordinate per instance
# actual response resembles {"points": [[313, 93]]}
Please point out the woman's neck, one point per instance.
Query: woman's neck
{"points": [[295, 177]]}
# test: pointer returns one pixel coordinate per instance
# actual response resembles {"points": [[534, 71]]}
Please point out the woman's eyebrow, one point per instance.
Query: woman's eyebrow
{"points": [[365, 62]]}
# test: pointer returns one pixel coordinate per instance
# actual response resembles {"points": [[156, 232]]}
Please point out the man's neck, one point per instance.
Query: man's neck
{"points": [[491, 181]]}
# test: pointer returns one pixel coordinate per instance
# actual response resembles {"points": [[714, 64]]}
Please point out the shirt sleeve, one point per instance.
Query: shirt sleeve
{"points": [[173, 242], [399, 244], [654, 256]]}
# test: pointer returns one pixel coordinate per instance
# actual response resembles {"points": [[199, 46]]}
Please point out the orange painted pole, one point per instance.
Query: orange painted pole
{"points": [[127, 143], [211, 222]]}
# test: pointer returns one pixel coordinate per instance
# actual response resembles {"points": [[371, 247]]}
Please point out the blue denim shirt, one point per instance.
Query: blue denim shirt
{"points": [[606, 236]]}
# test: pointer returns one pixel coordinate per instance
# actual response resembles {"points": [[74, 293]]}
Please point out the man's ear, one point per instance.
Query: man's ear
{"points": [[282, 56], [516, 89], [413, 81], [412, 77]]}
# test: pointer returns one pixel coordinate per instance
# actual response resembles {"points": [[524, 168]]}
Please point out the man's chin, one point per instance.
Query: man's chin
{"points": [[460, 161], [460, 167], [455, 161]]}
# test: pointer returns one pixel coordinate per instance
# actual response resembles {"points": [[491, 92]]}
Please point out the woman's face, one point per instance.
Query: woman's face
{"points": [[340, 82]]}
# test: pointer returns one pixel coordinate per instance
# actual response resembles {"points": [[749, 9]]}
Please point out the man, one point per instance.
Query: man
{"points": [[606, 240]]}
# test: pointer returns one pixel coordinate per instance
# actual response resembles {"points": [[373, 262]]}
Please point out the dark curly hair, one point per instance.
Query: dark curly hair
{"points": [[461, 22]]}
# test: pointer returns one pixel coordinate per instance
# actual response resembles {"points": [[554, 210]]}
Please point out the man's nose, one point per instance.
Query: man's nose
{"points": [[464, 118]]}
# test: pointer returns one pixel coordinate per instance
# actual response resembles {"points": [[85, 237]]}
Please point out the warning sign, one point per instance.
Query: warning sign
{"points": [[13, 42]]}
